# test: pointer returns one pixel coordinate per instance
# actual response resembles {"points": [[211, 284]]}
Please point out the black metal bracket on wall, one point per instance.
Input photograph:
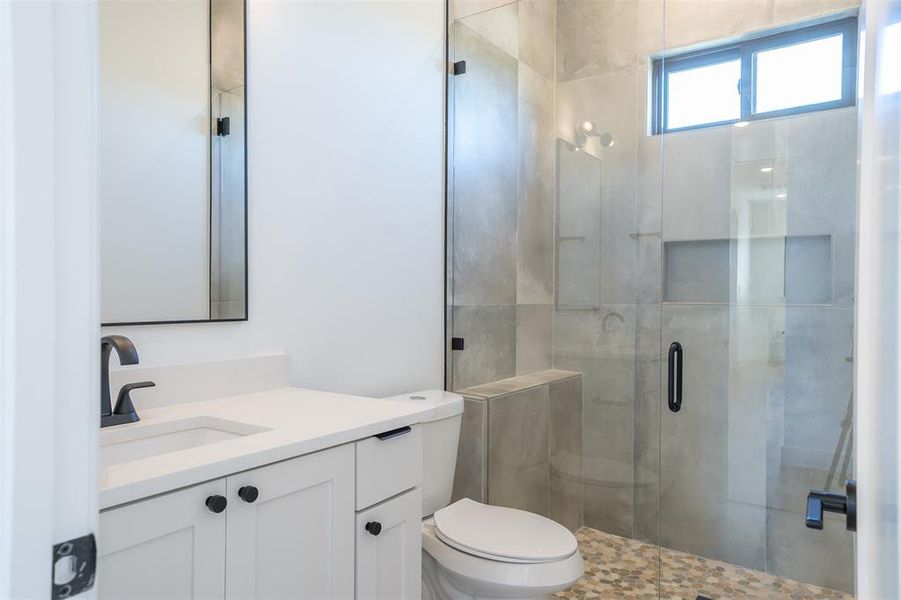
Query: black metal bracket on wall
{"points": [[223, 126], [459, 67]]}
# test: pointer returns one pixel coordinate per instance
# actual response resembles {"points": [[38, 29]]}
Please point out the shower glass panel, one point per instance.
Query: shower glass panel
{"points": [[581, 246], [757, 247]]}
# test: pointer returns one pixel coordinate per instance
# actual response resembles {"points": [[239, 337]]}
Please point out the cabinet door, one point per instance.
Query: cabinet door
{"points": [[171, 546], [296, 539], [389, 549]]}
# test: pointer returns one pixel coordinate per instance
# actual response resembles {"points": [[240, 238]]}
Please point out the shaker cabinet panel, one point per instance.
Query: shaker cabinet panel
{"points": [[171, 546], [290, 529], [389, 549], [388, 464]]}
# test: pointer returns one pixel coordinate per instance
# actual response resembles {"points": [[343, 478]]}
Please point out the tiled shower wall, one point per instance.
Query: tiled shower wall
{"points": [[521, 445]]}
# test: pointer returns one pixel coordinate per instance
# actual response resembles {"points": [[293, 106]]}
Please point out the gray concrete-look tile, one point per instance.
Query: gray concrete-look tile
{"points": [[823, 558], [595, 36], [471, 477], [818, 380], [790, 10], [518, 450], [537, 34], [534, 337], [535, 213], [489, 354], [693, 21], [502, 387], [566, 452], [485, 173], [697, 184], [499, 26]]}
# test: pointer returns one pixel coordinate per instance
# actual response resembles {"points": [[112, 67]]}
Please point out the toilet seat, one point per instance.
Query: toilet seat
{"points": [[480, 577], [503, 534]]}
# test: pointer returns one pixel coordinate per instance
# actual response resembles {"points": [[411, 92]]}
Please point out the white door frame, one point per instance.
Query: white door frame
{"points": [[877, 424], [49, 274]]}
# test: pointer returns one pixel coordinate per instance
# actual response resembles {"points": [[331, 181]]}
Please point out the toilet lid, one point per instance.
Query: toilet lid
{"points": [[504, 534]]}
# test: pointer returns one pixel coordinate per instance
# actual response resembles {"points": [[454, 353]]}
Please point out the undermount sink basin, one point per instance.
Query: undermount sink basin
{"points": [[143, 441]]}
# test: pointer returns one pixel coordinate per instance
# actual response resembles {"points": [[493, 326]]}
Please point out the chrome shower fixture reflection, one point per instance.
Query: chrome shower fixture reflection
{"points": [[587, 129]]}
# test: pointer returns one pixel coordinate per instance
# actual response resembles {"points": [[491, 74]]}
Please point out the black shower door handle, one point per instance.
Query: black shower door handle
{"points": [[674, 378]]}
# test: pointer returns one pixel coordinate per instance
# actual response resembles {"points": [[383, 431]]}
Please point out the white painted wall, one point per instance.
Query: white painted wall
{"points": [[154, 160], [346, 209]]}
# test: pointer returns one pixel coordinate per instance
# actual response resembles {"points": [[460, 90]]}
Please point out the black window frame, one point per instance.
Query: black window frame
{"points": [[746, 51]]}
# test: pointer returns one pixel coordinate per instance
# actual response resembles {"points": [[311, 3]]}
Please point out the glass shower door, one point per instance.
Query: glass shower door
{"points": [[757, 254]]}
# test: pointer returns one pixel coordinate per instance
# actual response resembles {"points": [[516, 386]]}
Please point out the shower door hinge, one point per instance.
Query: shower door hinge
{"points": [[456, 343], [459, 67], [223, 126]]}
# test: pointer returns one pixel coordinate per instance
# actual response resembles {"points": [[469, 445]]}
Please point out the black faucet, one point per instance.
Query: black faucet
{"points": [[128, 355]]}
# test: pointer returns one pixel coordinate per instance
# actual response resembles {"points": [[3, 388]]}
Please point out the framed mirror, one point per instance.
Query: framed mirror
{"points": [[173, 161]]}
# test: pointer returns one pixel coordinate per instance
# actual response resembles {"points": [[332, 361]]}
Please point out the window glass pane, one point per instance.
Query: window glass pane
{"points": [[798, 75], [707, 94]]}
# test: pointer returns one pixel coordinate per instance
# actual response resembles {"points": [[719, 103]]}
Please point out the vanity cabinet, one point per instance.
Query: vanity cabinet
{"points": [[340, 523], [389, 557], [170, 546], [293, 539]]}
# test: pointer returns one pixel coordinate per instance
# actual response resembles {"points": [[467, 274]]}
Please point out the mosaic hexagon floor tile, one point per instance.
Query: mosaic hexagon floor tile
{"points": [[617, 567]]}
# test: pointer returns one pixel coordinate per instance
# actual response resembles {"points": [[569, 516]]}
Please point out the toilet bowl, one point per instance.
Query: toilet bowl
{"points": [[472, 550]]}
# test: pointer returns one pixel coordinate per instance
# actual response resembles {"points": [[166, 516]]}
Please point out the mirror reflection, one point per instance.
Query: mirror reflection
{"points": [[172, 161]]}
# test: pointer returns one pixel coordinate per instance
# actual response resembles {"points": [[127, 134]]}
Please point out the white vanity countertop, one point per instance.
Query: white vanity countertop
{"points": [[298, 421]]}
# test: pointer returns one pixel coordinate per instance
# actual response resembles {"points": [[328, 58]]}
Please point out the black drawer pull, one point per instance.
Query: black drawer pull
{"points": [[387, 435]]}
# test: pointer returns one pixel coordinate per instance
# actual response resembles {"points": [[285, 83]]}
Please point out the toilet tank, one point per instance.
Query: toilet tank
{"points": [[440, 437]]}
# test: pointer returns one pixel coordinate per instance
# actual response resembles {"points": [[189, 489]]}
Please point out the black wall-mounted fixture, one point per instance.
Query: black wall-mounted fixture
{"points": [[459, 67], [457, 343], [819, 502], [223, 126]]}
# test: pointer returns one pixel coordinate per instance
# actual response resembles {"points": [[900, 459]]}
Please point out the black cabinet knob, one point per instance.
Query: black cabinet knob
{"points": [[248, 493], [216, 503], [374, 527]]}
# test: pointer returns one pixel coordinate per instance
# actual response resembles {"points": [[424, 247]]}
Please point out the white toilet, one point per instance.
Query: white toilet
{"points": [[473, 550]]}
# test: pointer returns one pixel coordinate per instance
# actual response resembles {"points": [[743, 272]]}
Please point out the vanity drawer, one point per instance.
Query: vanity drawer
{"points": [[388, 464]]}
